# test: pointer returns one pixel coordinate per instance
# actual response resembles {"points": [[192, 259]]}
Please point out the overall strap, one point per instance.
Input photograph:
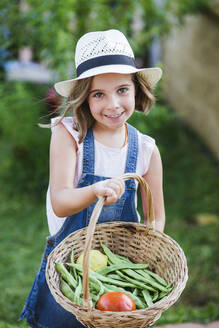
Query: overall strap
{"points": [[132, 153], [88, 153]]}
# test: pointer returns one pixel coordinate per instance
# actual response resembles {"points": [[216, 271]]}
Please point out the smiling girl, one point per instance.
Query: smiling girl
{"points": [[91, 149]]}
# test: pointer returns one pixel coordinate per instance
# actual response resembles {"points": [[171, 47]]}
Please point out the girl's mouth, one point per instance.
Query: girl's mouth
{"points": [[114, 117]]}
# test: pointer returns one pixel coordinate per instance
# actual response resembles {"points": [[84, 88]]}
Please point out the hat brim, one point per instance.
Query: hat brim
{"points": [[151, 76]]}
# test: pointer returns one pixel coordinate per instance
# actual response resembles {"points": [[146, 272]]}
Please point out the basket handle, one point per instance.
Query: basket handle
{"points": [[91, 228]]}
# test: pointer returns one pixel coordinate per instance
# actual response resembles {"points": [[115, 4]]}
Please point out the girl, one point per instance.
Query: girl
{"points": [[90, 150]]}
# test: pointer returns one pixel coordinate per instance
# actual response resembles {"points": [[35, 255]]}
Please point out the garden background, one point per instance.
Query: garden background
{"points": [[191, 185]]}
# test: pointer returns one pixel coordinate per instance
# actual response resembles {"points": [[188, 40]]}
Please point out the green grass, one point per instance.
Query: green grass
{"points": [[191, 188], [22, 232]]}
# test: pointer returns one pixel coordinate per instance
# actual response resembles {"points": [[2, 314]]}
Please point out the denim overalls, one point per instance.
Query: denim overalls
{"points": [[41, 310]]}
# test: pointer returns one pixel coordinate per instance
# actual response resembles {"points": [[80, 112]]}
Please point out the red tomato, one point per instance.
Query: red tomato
{"points": [[116, 302]]}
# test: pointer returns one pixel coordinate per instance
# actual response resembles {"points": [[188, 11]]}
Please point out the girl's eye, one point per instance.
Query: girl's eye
{"points": [[98, 95], [122, 90]]}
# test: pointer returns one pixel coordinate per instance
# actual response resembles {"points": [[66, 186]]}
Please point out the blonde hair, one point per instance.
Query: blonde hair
{"points": [[77, 102], [144, 98]]}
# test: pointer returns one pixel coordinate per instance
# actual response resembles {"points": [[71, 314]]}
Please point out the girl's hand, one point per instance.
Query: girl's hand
{"points": [[111, 189]]}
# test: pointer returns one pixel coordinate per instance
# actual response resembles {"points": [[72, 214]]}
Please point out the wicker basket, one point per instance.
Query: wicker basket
{"points": [[142, 244]]}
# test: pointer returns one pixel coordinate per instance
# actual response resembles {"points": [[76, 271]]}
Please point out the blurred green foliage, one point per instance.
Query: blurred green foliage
{"points": [[24, 146], [52, 28]]}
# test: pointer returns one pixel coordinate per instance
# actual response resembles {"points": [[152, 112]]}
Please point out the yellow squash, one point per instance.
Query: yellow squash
{"points": [[97, 260]]}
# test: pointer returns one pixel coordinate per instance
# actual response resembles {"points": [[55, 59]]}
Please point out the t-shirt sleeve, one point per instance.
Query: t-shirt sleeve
{"points": [[69, 124], [147, 145]]}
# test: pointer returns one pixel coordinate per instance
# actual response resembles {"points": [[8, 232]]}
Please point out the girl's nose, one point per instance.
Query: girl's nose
{"points": [[113, 102]]}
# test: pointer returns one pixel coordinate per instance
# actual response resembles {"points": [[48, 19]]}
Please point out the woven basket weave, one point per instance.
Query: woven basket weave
{"points": [[142, 244]]}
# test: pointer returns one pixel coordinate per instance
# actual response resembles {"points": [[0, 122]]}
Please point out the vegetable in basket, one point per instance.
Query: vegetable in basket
{"points": [[116, 302], [98, 260], [120, 276]]}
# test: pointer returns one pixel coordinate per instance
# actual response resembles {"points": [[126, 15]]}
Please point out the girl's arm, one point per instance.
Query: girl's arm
{"points": [[67, 200], [154, 178]]}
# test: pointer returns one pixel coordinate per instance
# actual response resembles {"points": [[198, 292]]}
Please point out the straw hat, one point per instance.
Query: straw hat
{"points": [[105, 52]]}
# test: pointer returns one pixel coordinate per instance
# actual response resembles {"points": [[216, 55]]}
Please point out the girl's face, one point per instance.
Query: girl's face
{"points": [[112, 99]]}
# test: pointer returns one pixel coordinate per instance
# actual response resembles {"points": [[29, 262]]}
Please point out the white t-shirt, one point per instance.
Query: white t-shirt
{"points": [[103, 156]]}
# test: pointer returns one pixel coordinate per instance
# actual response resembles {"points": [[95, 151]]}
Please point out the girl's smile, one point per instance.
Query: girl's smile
{"points": [[114, 117], [112, 100]]}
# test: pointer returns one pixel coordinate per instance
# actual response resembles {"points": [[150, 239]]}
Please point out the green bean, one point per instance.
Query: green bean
{"points": [[147, 280], [67, 291], [94, 297], [111, 256], [157, 277], [135, 291], [123, 258], [96, 284], [102, 278], [155, 296], [101, 290], [78, 291], [93, 277], [115, 259], [147, 297], [135, 283], [162, 294], [119, 283], [72, 270], [66, 275], [120, 266], [170, 286], [114, 276]]}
